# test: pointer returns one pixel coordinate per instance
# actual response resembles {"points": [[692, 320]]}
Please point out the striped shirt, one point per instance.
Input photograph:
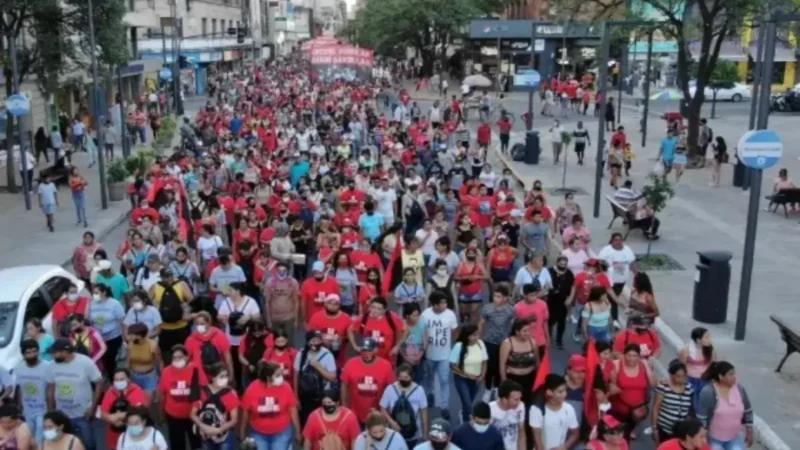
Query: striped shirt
{"points": [[674, 406]]}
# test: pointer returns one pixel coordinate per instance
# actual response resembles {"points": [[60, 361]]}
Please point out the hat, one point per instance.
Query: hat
{"points": [[516, 213], [440, 430], [577, 362], [62, 345], [153, 257], [502, 237], [591, 262], [368, 345], [318, 266], [333, 298], [166, 273], [104, 265]]}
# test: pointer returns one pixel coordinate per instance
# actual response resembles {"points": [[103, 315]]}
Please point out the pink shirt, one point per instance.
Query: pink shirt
{"points": [[575, 260], [726, 422], [570, 232], [538, 314]]}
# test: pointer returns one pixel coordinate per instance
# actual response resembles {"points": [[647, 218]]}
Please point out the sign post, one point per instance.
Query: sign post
{"points": [[18, 106], [165, 74]]}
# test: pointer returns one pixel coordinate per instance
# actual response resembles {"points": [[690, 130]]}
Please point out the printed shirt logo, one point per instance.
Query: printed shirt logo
{"points": [[268, 407], [180, 389], [367, 386]]}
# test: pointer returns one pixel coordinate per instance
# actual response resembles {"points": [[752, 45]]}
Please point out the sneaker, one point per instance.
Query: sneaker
{"points": [[573, 319], [617, 326], [576, 338], [560, 345], [487, 395]]}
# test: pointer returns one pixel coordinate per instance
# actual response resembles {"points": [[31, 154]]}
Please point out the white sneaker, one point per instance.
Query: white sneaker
{"points": [[617, 326], [487, 395], [573, 319]]}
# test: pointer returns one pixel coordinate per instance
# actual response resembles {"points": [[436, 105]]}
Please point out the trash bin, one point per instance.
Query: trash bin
{"points": [[711, 283], [739, 172], [532, 149]]}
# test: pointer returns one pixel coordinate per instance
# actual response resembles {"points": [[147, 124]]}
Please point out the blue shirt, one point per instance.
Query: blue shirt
{"points": [[371, 225], [106, 317], [409, 294], [236, 125], [668, 145], [117, 283], [466, 438], [297, 171]]}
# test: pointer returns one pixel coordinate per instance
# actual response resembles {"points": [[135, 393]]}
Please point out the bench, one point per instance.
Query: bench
{"points": [[790, 336], [628, 216], [784, 197]]}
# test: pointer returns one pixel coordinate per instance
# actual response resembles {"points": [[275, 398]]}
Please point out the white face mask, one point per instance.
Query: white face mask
{"points": [[201, 328], [50, 435], [120, 385], [277, 381], [221, 382], [96, 297], [72, 297], [138, 306], [179, 363], [442, 272]]}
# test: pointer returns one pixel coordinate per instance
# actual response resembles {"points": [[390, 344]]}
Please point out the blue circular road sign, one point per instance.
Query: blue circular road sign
{"points": [[165, 74], [760, 149], [529, 79], [18, 105]]}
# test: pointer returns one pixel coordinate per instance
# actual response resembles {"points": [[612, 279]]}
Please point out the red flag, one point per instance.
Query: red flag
{"points": [[544, 370], [388, 279], [590, 406]]}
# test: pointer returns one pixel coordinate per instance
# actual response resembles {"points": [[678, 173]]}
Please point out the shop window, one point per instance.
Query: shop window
{"points": [[778, 69]]}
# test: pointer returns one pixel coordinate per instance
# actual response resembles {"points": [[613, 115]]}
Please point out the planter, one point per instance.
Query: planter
{"points": [[117, 191]]}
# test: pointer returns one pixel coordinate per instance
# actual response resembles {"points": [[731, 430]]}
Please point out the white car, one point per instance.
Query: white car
{"points": [[28, 292], [737, 93]]}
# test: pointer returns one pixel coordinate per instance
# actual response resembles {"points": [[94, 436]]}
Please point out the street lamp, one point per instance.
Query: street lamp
{"points": [[101, 163]]}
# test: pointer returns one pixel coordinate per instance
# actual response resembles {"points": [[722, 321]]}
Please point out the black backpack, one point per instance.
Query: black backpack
{"points": [[82, 346], [121, 404], [209, 355], [415, 212], [234, 317], [255, 351], [310, 383], [213, 411], [403, 413], [171, 306]]}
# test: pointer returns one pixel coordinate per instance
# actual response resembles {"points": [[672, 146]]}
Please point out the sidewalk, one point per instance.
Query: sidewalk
{"points": [[26, 240], [700, 217]]}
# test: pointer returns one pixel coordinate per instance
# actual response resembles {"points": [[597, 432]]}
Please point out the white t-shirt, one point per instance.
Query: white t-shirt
{"points": [[303, 141], [554, 425], [127, 442], [248, 308], [508, 423], [428, 245], [619, 263], [440, 329], [488, 179], [208, 247], [386, 202]]}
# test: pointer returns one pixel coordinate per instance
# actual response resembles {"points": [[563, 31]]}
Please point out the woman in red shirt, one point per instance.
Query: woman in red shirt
{"points": [[243, 234], [202, 335], [501, 260], [365, 258], [71, 303], [376, 322], [689, 435], [471, 275], [370, 289], [281, 353], [631, 380], [77, 184], [216, 414], [174, 390], [610, 435], [331, 422], [122, 392], [269, 410]]}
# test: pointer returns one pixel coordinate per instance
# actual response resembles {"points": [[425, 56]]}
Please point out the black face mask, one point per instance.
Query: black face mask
{"points": [[224, 260], [439, 445], [329, 409], [59, 359], [368, 359], [280, 347], [404, 383], [319, 277], [32, 361]]}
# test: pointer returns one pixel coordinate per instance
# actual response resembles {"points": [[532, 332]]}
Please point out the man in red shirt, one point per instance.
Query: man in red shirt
{"points": [[315, 290], [641, 334], [504, 126], [484, 134], [364, 378], [144, 210], [352, 193], [333, 325], [619, 139]]}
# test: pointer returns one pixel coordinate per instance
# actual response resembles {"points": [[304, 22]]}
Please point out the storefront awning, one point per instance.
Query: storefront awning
{"points": [[783, 53], [728, 51]]}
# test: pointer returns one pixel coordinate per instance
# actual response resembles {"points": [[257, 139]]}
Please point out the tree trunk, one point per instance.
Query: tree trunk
{"points": [[693, 124], [428, 57], [714, 104]]}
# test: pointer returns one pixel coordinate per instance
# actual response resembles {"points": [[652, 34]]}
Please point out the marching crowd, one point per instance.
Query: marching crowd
{"points": [[324, 272]]}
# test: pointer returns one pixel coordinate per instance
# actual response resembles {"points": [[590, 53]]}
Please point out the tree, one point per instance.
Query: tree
{"points": [[656, 193], [724, 76], [705, 23], [428, 26], [48, 49]]}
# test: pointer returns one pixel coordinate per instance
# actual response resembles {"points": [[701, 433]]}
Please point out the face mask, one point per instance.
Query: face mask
{"points": [[368, 358], [96, 297], [375, 438], [282, 274], [50, 435], [59, 359], [135, 430], [278, 380], [480, 428], [138, 306], [280, 346], [120, 385], [221, 382], [319, 276], [179, 363], [201, 328], [562, 266], [404, 383], [329, 409], [72, 297], [471, 257], [439, 445]]}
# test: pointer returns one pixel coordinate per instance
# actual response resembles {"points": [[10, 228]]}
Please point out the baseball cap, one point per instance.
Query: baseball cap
{"points": [[332, 298], [577, 362], [104, 265], [440, 430], [318, 266], [368, 345], [591, 262], [502, 237], [62, 345], [516, 213]]}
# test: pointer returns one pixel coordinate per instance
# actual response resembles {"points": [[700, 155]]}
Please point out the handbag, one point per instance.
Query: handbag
{"points": [[658, 169], [298, 258]]}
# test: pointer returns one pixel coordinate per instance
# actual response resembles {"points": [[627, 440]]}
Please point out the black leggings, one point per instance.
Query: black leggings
{"points": [[237, 369], [110, 356], [178, 430], [170, 338], [618, 287], [558, 319], [493, 365]]}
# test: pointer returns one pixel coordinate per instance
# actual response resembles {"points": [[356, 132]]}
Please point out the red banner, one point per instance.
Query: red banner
{"points": [[341, 55]]}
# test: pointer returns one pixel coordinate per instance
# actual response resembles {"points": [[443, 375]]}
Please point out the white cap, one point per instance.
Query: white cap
{"points": [[104, 265]]}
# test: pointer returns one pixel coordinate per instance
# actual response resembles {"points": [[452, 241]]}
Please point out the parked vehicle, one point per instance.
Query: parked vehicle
{"points": [[736, 93]]}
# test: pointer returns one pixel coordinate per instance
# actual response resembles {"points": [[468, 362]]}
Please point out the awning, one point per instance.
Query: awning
{"points": [[783, 53], [728, 51]]}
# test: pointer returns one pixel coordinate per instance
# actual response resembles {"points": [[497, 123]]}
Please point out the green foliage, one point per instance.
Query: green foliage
{"points": [[724, 75], [141, 161], [166, 132], [117, 172], [108, 29], [657, 192]]}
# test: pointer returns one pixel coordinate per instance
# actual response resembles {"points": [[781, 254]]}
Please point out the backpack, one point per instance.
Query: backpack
{"points": [[255, 351], [310, 383], [306, 215], [416, 213], [209, 355], [121, 404], [171, 306], [234, 317], [82, 346], [212, 413], [403, 413]]}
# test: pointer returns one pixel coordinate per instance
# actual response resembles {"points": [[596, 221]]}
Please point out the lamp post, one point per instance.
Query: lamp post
{"points": [[647, 86], [23, 160], [534, 24], [101, 163]]}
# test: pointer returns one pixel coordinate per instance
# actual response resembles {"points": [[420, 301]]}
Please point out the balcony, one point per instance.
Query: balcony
{"points": [[141, 14], [193, 44]]}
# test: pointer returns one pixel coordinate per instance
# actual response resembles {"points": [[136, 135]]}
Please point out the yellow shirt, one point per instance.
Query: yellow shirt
{"points": [[181, 290]]}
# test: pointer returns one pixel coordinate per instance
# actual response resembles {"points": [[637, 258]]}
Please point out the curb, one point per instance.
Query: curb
{"points": [[103, 233], [764, 434]]}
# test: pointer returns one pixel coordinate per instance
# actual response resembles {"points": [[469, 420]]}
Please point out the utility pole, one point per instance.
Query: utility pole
{"points": [[758, 73], [176, 52], [602, 90], [21, 126], [126, 144], [101, 164], [647, 86]]}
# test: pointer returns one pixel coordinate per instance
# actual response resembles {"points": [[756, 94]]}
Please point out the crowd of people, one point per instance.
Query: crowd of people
{"points": [[325, 272]]}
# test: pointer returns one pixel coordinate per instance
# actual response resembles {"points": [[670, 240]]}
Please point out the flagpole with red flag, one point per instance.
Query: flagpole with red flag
{"points": [[543, 371], [590, 405], [388, 278]]}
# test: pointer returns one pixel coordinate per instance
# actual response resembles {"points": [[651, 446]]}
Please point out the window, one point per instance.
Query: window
{"points": [[213, 26], [205, 27], [37, 306], [222, 28]]}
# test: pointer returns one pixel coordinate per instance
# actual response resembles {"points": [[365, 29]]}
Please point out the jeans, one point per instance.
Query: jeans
{"points": [[36, 424], [599, 334], [229, 443], [77, 141], [142, 134], [467, 392], [147, 381], [734, 444], [82, 429], [697, 385], [280, 441], [79, 198], [442, 368]]}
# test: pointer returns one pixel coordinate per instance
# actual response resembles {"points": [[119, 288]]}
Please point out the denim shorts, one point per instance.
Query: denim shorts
{"points": [[599, 334], [464, 298], [147, 381]]}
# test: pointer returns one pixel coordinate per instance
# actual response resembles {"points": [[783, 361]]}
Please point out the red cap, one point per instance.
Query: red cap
{"points": [[591, 262], [577, 362]]}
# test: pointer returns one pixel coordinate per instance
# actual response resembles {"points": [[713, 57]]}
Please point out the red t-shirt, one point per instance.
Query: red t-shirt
{"points": [[230, 401], [175, 387], [504, 126], [334, 332], [536, 314], [64, 308], [380, 330], [649, 342], [345, 426], [363, 261], [269, 406], [347, 194], [366, 293], [484, 134], [313, 294], [195, 341], [619, 140], [284, 360], [470, 287], [366, 383], [547, 214], [135, 397], [584, 283], [675, 444]]}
